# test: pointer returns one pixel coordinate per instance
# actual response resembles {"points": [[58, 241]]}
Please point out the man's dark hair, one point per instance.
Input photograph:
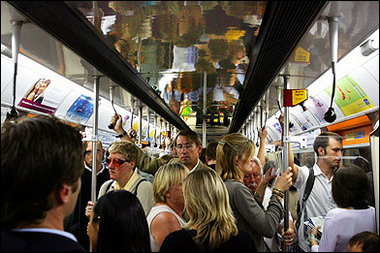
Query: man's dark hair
{"points": [[193, 136], [38, 155], [369, 241], [323, 139], [211, 150]]}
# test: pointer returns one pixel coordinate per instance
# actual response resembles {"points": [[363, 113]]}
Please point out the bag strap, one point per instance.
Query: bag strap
{"points": [[305, 196], [109, 185], [309, 186], [137, 186]]}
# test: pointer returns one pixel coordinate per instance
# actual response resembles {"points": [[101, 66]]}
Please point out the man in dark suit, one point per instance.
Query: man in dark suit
{"points": [[77, 221], [41, 167]]}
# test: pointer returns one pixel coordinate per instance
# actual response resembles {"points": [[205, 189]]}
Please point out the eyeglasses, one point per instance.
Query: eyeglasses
{"points": [[186, 147], [116, 162]]}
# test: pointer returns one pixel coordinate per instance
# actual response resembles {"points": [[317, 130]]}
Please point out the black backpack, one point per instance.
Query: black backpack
{"points": [[306, 193]]}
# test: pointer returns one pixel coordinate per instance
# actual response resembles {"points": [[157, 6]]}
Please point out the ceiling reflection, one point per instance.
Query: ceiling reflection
{"points": [[181, 46]]}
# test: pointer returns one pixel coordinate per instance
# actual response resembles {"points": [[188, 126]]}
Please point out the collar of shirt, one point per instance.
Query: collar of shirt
{"points": [[195, 166], [318, 172], [131, 182], [47, 230], [100, 171]]}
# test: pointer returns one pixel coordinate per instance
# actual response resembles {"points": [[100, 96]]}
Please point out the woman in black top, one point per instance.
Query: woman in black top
{"points": [[212, 225]]}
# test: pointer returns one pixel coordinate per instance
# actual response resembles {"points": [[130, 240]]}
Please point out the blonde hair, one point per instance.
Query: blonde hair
{"points": [[207, 202], [232, 145], [167, 176], [125, 148]]}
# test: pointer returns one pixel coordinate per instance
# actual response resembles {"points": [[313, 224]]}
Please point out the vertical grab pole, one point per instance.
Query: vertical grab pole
{"points": [[16, 40], [95, 137], [204, 142], [140, 123], [155, 129], [286, 160], [132, 108]]}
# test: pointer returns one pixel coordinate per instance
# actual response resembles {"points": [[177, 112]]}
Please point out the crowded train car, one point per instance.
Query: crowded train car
{"points": [[144, 71]]}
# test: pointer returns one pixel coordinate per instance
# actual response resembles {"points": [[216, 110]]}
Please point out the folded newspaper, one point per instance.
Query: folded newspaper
{"points": [[313, 222]]}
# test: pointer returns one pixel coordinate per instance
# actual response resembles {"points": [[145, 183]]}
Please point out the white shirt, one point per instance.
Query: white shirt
{"points": [[153, 213], [196, 165], [320, 200], [341, 224]]}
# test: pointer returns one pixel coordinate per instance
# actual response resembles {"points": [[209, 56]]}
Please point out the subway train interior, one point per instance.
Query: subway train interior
{"points": [[216, 67]]}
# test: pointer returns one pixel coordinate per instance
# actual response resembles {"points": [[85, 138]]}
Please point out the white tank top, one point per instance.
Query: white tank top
{"points": [[152, 214]]}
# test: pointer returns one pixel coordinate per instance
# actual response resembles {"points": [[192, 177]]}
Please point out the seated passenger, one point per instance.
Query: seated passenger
{"points": [[350, 191], [118, 224], [212, 225], [123, 175], [166, 216]]}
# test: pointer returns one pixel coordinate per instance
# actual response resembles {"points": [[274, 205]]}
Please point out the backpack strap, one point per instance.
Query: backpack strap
{"points": [[137, 186], [305, 196], [109, 185], [309, 186]]}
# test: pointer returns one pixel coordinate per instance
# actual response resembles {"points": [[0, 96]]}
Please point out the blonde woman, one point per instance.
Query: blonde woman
{"points": [[166, 216], [234, 156], [212, 225]]}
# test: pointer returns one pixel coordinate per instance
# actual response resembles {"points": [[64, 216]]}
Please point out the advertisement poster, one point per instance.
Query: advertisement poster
{"points": [[81, 110], [317, 107], [44, 96], [350, 97]]}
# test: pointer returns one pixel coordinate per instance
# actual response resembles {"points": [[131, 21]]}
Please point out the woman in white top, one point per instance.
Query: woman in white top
{"points": [[350, 191], [166, 216]]}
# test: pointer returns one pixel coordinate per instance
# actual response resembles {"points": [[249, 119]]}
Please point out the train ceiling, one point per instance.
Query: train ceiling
{"points": [[162, 52]]}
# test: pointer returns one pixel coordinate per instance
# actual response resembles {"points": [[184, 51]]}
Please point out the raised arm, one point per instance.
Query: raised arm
{"points": [[291, 156], [149, 164], [263, 133]]}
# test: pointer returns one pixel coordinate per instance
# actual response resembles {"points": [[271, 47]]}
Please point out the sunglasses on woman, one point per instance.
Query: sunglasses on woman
{"points": [[116, 162]]}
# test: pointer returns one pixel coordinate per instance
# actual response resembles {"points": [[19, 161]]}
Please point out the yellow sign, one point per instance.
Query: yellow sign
{"points": [[299, 96], [302, 55]]}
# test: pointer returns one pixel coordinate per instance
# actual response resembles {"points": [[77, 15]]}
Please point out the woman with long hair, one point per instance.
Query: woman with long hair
{"points": [[212, 225], [234, 156]]}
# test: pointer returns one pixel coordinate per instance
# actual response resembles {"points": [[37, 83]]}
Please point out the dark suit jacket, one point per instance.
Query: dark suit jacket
{"points": [[37, 242], [77, 221]]}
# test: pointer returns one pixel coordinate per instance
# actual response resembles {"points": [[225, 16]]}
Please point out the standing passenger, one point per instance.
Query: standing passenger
{"points": [[210, 154], [233, 158], [77, 221], [350, 190], [212, 225], [188, 145], [166, 216], [328, 147], [123, 175], [118, 224], [41, 166]]}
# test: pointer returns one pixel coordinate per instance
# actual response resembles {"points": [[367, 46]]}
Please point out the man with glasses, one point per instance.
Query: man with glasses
{"points": [[187, 143], [121, 163]]}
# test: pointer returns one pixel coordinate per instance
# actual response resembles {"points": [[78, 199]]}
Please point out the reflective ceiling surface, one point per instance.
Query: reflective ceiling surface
{"points": [[177, 46]]}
